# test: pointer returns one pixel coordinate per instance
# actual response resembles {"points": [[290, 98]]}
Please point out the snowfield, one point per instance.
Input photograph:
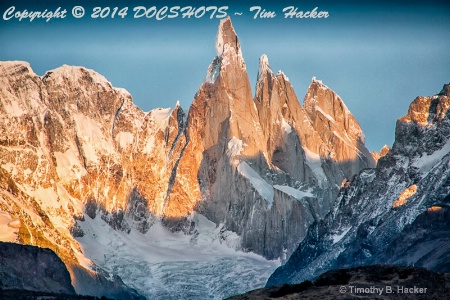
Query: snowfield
{"points": [[165, 265]]}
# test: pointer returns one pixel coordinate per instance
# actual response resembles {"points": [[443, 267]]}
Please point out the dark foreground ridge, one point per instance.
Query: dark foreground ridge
{"points": [[31, 268], [30, 272], [32, 295], [369, 282]]}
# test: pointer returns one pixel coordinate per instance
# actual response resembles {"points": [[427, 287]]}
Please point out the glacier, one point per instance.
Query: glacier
{"points": [[161, 264]]}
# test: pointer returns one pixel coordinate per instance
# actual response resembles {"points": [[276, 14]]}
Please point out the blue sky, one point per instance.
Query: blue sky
{"points": [[378, 56]]}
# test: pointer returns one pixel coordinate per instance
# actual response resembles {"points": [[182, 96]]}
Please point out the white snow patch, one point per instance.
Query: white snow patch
{"points": [[213, 71], [13, 109], [125, 93], [316, 80], [165, 265], [297, 194], [225, 59], [426, 162], [235, 147], [282, 74], [9, 227], [287, 128], [337, 237], [124, 139], [314, 162], [260, 185], [10, 167], [92, 137], [219, 41], [68, 165], [160, 113], [367, 175], [325, 114], [150, 144]]}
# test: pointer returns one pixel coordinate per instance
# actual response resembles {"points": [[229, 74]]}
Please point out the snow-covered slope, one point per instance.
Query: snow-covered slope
{"points": [[239, 148], [81, 165], [398, 213], [161, 264]]}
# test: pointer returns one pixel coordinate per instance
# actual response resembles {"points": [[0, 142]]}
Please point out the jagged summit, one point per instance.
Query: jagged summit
{"points": [[75, 73], [227, 38], [14, 67], [229, 56], [445, 90], [383, 151], [264, 67], [323, 101], [392, 214], [261, 169], [428, 110]]}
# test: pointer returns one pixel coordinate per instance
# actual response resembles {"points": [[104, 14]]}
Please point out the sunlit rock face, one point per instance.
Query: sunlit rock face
{"points": [[72, 147], [266, 167], [397, 213], [384, 150], [67, 149]]}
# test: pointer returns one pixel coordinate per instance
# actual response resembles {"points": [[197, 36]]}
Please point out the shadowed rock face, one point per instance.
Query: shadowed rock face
{"points": [[25, 269], [402, 283], [76, 148], [397, 213], [264, 167], [34, 269], [31, 295]]}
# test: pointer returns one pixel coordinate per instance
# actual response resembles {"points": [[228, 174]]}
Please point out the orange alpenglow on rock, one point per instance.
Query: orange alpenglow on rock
{"points": [[264, 166], [405, 195]]}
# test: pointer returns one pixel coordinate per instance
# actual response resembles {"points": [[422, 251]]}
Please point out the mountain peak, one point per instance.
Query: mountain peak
{"points": [[281, 73], [445, 90], [227, 38], [75, 73], [263, 66], [10, 68], [320, 95]]}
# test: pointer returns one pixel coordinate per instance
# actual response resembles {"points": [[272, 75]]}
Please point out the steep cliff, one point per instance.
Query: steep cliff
{"points": [[397, 213], [32, 268], [291, 162], [83, 168]]}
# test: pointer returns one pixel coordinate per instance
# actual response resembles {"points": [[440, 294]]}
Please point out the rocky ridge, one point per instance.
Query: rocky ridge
{"points": [[397, 213], [74, 147], [31, 268], [372, 282], [268, 145]]}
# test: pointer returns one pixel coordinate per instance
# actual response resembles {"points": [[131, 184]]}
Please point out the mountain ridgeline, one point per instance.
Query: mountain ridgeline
{"points": [[264, 168], [397, 213]]}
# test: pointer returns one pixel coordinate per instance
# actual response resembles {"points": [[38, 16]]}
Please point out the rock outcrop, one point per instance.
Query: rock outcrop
{"points": [[397, 213], [73, 147], [290, 161], [369, 282], [31, 268], [384, 150]]}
